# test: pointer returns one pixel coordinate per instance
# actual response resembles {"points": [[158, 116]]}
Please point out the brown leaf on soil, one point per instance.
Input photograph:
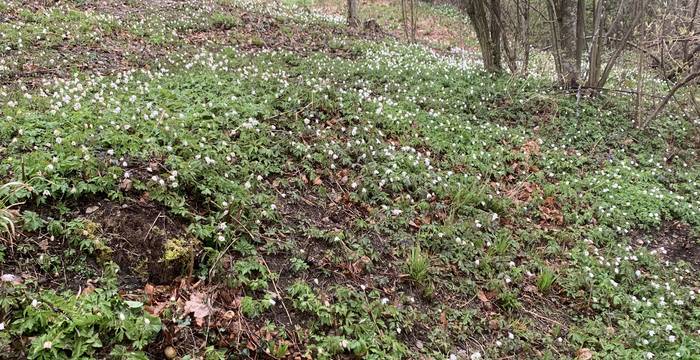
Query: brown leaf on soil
{"points": [[480, 294], [87, 290], [531, 289], [584, 354], [125, 185], [157, 308], [318, 181], [198, 307], [531, 147], [149, 290], [551, 213], [91, 209]]}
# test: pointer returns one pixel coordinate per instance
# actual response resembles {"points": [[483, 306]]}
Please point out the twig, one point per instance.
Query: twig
{"points": [[152, 225], [543, 317], [279, 296], [690, 77]]}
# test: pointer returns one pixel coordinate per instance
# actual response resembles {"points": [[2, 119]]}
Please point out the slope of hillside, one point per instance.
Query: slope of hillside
{"points": [[237, 179]]}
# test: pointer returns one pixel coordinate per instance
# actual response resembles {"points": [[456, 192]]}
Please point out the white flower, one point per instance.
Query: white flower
{"points": [[385, 301], [122, 317], [146, 321], [649, 355], [48, 344], [2, 326], [396, 212], [671, 338], [475, 356]]}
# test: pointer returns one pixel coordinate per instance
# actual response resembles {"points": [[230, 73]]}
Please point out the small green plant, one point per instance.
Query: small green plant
{"points": [[277, 350], [417, 264], [546, 279], [223, 21], [7, 215], [66, 326]]}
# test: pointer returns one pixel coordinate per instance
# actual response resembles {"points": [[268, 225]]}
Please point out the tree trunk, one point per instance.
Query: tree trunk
{"points": [[639, 10], [353, 13], [555, 36], [495, 31], [525, 35], [580, 31], [596, 44], [478, 12], [570, 63]]}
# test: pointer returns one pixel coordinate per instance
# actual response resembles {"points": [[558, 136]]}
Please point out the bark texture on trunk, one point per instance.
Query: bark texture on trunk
{"points": [[488, 31], [353, 13], [594, 62], [570, 62], [495, 31]]}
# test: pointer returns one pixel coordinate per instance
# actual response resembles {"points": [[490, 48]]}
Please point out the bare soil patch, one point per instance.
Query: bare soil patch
{"points": [[674, 241], [137, 232]]}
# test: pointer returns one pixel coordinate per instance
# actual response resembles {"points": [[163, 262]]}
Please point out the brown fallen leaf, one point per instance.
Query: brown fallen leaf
{"points": [[531, 147], [125, 185], [484, 300], [480, 294], [318, 181], [584, 354], [196, 305], [91, 209], [149, 289], [157, 308]]}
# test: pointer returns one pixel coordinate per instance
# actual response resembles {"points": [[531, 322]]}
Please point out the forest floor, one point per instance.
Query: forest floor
{"points": [[241, 179]]}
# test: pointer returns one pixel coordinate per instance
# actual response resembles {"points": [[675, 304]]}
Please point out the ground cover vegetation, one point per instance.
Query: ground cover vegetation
{"points": [[240, 179]]}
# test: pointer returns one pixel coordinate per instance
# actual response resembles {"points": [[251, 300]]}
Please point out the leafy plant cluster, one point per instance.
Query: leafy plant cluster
{"points": [[63, 325]]}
